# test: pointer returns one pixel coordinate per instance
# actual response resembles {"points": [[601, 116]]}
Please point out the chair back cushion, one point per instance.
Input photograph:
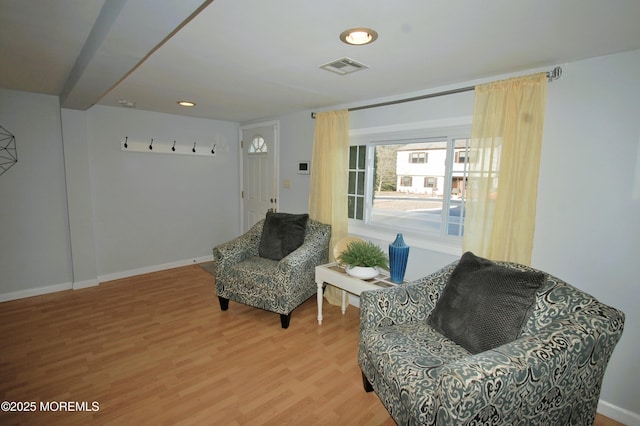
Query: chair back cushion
{"points": [[485, 305], [282, 233]]}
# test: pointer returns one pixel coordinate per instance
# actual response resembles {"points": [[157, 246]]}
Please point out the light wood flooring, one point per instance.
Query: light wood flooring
{"points": [[157, 349]]}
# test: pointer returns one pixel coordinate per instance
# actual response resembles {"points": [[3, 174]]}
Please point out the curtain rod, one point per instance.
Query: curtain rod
{"points": [[551, 75]]}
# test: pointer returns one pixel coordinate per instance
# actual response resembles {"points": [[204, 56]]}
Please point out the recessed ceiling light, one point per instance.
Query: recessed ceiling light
{"points": [[359, 36], [186, 103]]}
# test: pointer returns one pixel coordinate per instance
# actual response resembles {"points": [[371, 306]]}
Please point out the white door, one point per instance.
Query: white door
{"points": [[259, 172]]}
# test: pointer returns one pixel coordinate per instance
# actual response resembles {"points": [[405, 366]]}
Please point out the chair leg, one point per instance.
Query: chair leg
{"points": [[224, 303], [366, 383], [284, 320]]}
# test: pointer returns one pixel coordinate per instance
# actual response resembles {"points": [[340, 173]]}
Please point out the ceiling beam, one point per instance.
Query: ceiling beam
{"points": [[124, 35]]}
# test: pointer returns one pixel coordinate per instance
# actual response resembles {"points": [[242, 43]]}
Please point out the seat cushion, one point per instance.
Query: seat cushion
{"points": [[282, 233], [252, 282], [485, 305], [407, 357]]}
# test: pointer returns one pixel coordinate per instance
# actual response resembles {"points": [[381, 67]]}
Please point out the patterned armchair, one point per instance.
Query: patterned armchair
{"points": [[277, 286], [550, 375]]}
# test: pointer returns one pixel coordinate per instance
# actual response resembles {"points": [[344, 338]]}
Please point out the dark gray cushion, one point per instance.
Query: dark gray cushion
{"points": [[484, 305], [282, 233]]}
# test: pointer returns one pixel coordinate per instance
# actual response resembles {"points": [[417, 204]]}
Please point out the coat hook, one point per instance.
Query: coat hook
{"points": [[151, 144], [194, 147], [213, 150], [126, 139], [173, 148]]}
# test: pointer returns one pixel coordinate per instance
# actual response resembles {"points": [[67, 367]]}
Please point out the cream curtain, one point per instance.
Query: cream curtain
{"points": [[506, 139], [329, 179]]}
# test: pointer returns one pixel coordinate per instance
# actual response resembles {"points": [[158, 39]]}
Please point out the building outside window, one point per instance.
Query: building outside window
{"points": [[415, 185]]}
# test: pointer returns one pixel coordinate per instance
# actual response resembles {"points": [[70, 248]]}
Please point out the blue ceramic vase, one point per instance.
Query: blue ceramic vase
{"points": [[398, 255]]}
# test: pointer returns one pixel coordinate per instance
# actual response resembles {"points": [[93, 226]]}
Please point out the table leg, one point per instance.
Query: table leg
{"points": [[319, 297], [344, 302]]}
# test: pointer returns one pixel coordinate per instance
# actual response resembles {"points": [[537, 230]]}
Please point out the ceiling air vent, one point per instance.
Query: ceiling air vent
{"points": [[344, 66]]}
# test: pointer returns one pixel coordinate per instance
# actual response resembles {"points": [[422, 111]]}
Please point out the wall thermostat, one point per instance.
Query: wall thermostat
{"points": [[303, 168]]}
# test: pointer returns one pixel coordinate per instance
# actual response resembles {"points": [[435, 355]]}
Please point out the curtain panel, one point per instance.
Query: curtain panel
{"points": [[329, 179], [506, 140]]}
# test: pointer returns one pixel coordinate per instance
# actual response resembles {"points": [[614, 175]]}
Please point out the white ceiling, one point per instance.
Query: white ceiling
{"points": [[244, 60]]}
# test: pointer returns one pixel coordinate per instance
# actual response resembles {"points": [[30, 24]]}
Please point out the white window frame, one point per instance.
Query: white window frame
{"points": [[449, 128]]}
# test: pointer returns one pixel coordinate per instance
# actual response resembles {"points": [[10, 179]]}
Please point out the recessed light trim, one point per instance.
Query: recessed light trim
{"points": [[187, 104], [359, 36]]}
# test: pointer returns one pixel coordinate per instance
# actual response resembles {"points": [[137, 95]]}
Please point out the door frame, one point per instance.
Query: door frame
{"points": [[276, 163]]}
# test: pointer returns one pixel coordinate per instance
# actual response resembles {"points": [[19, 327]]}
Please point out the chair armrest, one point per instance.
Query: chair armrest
{"points": [[561, 365], [238, 249], [404, 303], [313, 251]]}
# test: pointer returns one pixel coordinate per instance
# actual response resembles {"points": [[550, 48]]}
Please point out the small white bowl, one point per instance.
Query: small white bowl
{"points": [[362, 272]]}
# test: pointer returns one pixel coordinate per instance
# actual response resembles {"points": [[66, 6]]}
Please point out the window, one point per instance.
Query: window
{"points": [[418, 157], [355, 201], [415, 185], [430, 182], [258, 146], [461, 156]]}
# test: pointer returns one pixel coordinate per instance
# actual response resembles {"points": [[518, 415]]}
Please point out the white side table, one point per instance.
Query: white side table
{"points": [[335, 275]]}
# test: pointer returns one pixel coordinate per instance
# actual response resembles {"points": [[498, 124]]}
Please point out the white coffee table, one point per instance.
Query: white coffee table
{"points": [[335, 275]]}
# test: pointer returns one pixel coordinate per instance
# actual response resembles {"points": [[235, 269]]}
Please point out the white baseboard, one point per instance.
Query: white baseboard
{"points": [[35, 291], [153, 268], [77, 285], [38, 291], [618, 414]]}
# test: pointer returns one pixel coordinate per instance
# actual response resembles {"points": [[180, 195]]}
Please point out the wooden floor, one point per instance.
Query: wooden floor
{"points": [[157, 349]]}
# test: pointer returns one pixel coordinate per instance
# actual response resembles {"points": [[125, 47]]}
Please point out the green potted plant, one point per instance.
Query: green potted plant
{"points": [[363, 259]]}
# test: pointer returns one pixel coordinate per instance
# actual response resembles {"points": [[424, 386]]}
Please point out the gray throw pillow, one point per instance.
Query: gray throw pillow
{"points": [[282, 233], [484, 305]]}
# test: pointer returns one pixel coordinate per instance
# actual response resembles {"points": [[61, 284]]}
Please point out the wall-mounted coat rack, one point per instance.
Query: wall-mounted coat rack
{"points": [[163, 147]]}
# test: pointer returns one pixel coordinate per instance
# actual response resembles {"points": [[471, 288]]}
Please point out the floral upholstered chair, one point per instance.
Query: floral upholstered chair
{"points": [[272, 266], [453, 349]]}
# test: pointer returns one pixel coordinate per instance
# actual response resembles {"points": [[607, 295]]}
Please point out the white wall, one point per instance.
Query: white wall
{"points": [[296, 130], [153, 209], [588, 218], [76, 210], [587, 227], [34, 230], [80, 206]]}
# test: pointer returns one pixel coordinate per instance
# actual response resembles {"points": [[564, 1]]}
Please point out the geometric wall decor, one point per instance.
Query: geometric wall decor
{"points": [[8, 151]]}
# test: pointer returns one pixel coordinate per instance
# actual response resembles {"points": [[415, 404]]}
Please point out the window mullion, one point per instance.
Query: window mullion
{"points": [[446, 194], [368, 184]]}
